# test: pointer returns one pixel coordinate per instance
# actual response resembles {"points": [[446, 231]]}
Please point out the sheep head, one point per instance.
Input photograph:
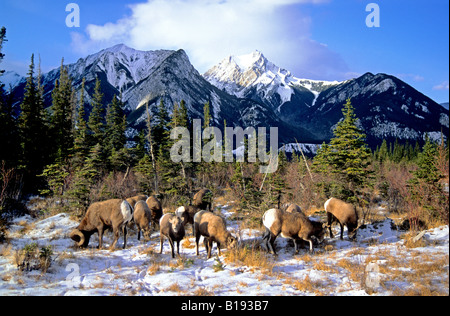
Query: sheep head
{"points": [[79, 238]]}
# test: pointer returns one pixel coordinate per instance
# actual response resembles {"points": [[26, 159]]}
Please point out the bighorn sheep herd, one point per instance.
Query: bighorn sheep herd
{"points": [[146, 212]]}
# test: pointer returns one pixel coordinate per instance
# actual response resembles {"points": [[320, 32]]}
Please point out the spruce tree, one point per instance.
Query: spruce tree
{"points": [[81, 132], [116, 125], [348, 156], [33, 132], [2, 40], [62, 115], [97, 117]]}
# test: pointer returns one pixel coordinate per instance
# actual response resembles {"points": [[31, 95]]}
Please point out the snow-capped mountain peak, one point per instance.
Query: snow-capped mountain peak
{"points": [[242, 75]]}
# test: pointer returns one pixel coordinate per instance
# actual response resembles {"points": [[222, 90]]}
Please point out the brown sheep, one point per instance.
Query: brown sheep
{"points": [[345, 214], [295, 226], [133, 200], [203, 200], [294, 208], [156, 208], [214, 229], [142, 218], [171, 226], [187, 213], [100, 216]]}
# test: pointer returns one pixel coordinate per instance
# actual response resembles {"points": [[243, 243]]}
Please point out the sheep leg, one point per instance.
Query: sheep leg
{"points": [[342, 231], [172, 247], [218, 248], [116, 237], [100, 237], [178, 248], [124, 231], [210, 244], [139, 234], [330, 222], [271, 243], [296, 246], [161, 239], [197, 239]]}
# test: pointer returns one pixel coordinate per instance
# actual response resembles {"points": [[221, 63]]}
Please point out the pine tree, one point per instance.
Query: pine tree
{"points": [[81, 132], [206, 115], [347, 156], [62, 115], [33, 132], [97, 118], [8, 123], [2, 40], [116, 125]]}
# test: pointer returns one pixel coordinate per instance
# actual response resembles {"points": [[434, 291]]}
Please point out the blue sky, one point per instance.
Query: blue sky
{"points": [[316, 39]]}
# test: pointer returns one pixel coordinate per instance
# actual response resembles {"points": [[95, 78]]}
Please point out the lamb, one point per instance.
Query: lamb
{"points": [[345, 214], [155, 207], [203, 200], [115, 214], [171, 226], [295, 226], [142, 218], [214, 229]]}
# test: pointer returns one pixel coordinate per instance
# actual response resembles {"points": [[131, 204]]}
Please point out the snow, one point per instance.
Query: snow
{"points": [[336, 268]]}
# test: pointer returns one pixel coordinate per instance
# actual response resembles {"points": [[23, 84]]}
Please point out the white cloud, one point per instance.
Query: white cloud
{"points": [[443, 86], [210, 30]]}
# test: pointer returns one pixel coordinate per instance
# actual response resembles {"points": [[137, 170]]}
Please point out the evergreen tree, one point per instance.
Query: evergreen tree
{"points": [[62, 115], [2, 40], [33, 132], [81, 132], [116, 125], [348, 156], [206, 115], [8, 123], [97, 118]]}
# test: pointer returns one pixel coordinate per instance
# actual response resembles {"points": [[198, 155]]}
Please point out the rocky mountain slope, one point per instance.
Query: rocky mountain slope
{"points": [[251, 91]]}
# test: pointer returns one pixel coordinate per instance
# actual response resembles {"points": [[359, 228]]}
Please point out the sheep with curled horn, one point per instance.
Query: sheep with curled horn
{"points": [[100, 216]]}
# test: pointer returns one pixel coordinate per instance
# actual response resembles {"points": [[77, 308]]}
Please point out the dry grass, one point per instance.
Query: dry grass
{"points": [[251, 255]]}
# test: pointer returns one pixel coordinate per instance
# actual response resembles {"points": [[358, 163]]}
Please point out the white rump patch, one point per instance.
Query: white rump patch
{"points": [[326, 203], [180, 211], [269, 218], [127, 211]]}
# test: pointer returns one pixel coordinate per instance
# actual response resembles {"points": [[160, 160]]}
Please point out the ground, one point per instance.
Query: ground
{"points": [[382, 261]]}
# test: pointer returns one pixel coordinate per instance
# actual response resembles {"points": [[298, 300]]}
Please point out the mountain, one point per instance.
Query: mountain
{"points": [[445, 105], [146, 77], [387, 107], [251, 91]]}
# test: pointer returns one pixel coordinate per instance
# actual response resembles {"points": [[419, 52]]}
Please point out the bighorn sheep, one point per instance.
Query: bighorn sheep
{"points": [[171, 226], [295, 226], [294, 208], [187, 213], [142, 218], [344, 213], [133, 200], [155, 207], [203, 200], [100, 216], [214, 229]]}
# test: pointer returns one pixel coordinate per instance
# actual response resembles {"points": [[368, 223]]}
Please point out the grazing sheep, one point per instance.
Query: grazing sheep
{"points": [[214, 229], [171, 226], [203, 200], [295, 226], [100, 216], [155, 206], [133, 200], [345, 214], [142, 218], [187, 213]]}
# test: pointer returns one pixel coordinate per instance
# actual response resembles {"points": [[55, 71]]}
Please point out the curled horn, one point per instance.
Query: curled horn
{"points": [[78, 237]]}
